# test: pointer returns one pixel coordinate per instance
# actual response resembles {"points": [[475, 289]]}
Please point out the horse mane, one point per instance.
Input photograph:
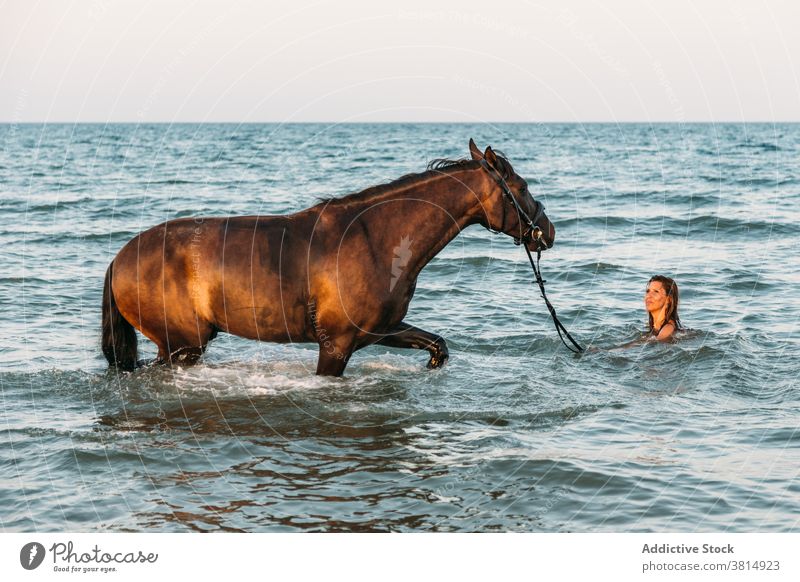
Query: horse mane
{"points": [[435, 167], [443, 163]]}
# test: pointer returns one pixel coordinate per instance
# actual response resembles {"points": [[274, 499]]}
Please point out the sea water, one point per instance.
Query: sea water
{"points": [[515, 433]]}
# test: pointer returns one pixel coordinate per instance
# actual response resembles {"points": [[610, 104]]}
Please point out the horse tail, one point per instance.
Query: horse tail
{"points": [[119, 337]]}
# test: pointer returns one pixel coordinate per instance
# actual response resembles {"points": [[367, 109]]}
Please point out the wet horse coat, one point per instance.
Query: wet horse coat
{"points": [[340, 274]]}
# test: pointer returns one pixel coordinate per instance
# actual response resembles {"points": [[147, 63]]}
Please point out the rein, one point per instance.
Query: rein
{"points": [[532, 232], [559, 326]]}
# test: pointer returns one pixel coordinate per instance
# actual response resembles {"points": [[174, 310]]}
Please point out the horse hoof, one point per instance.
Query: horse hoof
{"points": [[437, 362]]}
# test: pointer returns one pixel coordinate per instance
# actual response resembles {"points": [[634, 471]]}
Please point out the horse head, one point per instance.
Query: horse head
{"points": [[510, 208]]}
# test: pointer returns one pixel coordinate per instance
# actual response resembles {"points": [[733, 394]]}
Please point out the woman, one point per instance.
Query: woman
{"points": [[661, 302]]}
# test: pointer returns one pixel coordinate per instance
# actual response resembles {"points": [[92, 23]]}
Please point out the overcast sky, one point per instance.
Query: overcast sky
{"points": [[409, 60]]}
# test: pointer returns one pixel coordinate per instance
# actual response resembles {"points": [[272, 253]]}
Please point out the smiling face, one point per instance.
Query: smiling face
{"points": [[655, 298]]}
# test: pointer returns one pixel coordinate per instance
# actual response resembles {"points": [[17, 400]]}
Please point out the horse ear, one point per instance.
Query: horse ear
{"points": [[490, 157], [474, 151]]}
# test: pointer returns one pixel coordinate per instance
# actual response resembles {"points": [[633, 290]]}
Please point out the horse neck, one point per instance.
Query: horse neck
{"points": [[449, 203]]}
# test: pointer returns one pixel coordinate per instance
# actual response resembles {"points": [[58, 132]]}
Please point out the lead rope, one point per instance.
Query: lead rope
{"points": [[523, 240], [541, 282]]}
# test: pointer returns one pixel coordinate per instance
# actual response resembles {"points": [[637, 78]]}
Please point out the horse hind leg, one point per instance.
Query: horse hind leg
{"points": [[182, 347]]}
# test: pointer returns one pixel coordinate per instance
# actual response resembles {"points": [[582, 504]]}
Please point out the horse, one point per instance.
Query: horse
{"points": [[340, 274]]}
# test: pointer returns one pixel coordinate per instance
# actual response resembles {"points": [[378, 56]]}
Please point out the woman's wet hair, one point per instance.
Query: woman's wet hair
{"points": [[671, 289]]}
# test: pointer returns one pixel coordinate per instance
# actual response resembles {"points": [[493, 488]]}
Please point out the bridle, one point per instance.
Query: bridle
{"points": [[532, 232]]}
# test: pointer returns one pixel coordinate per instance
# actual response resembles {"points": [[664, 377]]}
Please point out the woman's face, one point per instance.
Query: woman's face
{"points": [[655, 298]]}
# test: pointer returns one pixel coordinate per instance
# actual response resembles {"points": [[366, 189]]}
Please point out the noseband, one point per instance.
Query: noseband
{"points": [[530, 233]]}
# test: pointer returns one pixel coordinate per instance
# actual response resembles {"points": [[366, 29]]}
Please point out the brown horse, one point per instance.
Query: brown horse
{"points": [[340, 274]]}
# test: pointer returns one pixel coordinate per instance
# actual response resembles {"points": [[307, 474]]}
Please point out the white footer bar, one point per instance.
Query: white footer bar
{"points": [[382, 557]]}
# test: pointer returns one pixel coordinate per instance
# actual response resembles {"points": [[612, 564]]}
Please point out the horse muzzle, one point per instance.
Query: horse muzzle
{"points": [[537, 240]]}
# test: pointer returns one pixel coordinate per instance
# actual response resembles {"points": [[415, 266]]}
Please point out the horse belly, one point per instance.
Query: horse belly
{"points": [[255, 310], [258, 296]]}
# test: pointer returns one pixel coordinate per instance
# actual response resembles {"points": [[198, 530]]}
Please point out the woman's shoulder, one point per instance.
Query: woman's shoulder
{"points": [[667, 330]]}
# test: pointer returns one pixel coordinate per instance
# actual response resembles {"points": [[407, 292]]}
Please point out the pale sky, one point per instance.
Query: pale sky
{"points": [[408, 60]]}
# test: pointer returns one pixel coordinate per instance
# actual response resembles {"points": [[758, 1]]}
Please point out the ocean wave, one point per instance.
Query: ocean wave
{"points": [[748, 181], [173, 182], [718, 226], [762, 146], [540, 418], [59, 204], [597, 267]]}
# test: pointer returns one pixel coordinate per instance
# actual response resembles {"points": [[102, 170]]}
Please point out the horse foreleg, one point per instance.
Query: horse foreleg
{"points": [[404, 335], [333, 357]]}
